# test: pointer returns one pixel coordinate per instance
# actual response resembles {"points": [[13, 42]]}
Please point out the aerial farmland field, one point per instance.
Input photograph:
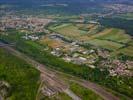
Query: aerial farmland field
{"points": [[105, 44], [128, 16], [116, 35], [127, 51], [109, 38], [130, 43], [69, 30], [51, 43], [78, 31], [113, 39]]}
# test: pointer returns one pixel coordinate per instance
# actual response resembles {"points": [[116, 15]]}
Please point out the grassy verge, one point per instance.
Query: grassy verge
{"points": [[84, 93]]}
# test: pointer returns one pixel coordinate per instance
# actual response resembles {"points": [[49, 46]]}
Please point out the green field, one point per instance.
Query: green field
{"points": [[69, 30], [83, 93], [128, 16], [22, 77], [75, 30], [130, 43], [116, 35], [105, 44], [127, 51], [111, 39]]}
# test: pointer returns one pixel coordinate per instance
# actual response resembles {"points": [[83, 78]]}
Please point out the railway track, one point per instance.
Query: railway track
{"points": [[54, 80]]}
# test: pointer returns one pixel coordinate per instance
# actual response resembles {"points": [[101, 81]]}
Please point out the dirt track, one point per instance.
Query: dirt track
{"points": [[53, 79]]}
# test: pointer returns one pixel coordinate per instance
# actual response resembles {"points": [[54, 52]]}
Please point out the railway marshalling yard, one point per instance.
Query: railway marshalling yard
{"points": [[58, 85]]}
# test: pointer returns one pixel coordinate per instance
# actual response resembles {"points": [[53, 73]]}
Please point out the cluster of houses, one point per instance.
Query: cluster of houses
{"points": [[31, 23], [120, 8], [117, 67], [78, 55], [32, 37], [73, 52]]}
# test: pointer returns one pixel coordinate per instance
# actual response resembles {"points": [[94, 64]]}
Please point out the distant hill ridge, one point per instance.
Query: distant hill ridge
{"points": [[64, 1]]}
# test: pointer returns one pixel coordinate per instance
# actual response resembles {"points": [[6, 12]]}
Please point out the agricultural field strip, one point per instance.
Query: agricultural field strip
{"points": [[60, 26], [72, 30], [110, 38], [105, 44], [119, 36], [128, 16], [68, 30], [103, 93], [116, 35], [127, 50]]}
